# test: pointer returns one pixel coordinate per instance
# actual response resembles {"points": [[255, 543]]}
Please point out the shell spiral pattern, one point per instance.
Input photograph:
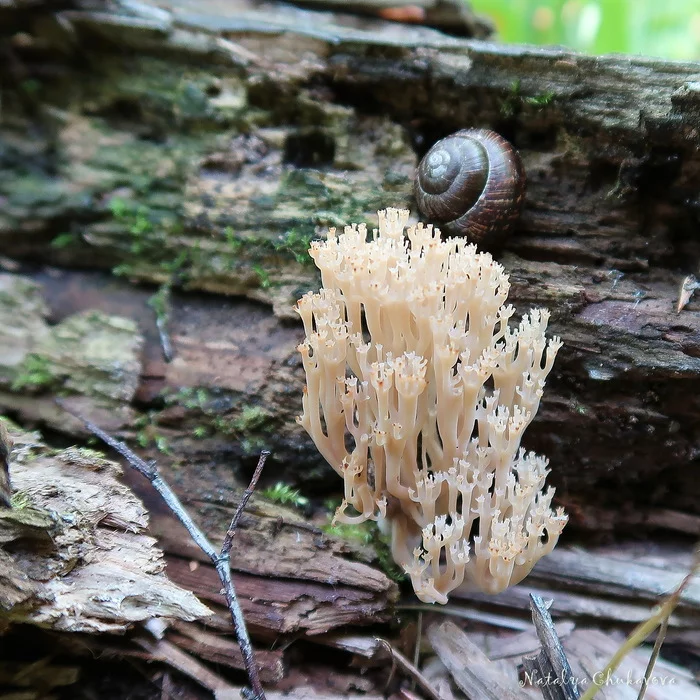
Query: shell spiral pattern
{"points": [[472, 184]]}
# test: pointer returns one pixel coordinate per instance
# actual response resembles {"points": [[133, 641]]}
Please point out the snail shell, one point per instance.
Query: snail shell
{"points": [[472, 184]]}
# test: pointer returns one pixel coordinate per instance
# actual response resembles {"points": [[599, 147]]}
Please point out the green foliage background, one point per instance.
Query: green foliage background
{"points": [[664, 28]]}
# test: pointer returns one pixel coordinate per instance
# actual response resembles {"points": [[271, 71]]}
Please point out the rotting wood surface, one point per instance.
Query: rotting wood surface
{"points": [[74, 555], [206, 143]]}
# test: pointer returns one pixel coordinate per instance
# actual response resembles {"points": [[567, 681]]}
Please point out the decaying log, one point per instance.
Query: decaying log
{"points": [[452, 16], [212, 150], [79, 563], [219, 557], [99, 356], [304, 693], [75, 555], [274, 605], [472, 670], [44, 674], [225, 652], [201, 145]]}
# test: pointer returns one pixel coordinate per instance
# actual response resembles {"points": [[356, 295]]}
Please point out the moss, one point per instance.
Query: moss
{"points": [[92, 354], [218, 411], [543, 100], [147, 90], [160, 302], [382, 545], [148, 435], [252, 445], [34, 373], [356, 533], [140, 135], [20, 500], [285, 495], [136, 219], [234, 244], [223, 425], [161, 444], [191, 398], [577, 407], [251, 418], [88, 454], [367, 533], [263, 276], [510, 105], [30, 86], [297, 242], [513, 103], [64, 240]]}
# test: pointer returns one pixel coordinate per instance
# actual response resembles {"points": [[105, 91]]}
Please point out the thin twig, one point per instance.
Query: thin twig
{"points": [[660, 636], [228, 539], [416, 649], [551, 660], [160, 302], [400, 661], [220, 560], [165, 342]]}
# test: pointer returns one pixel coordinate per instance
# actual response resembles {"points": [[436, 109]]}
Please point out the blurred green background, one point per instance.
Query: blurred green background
{"points": [[664, 28]]}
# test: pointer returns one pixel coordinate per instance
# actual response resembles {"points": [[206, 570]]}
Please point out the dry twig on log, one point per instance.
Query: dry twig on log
{"points": [[221, 560], [410, 669], [551, 662]]}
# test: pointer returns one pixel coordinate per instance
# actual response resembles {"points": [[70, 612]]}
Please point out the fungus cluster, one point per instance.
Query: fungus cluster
{"points": [[418, 393]]}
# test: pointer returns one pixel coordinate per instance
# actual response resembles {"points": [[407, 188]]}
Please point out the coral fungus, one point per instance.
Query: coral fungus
{"points": [[409, 352]]}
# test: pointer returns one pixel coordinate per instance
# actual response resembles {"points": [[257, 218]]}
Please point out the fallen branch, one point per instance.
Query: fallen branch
{"points": [[221, 560]]}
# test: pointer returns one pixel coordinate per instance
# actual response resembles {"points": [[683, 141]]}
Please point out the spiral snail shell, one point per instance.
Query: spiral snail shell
{"points": [[471, 184]]}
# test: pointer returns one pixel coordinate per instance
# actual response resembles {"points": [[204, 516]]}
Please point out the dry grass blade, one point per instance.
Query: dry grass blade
{"points": [[660, 637]]}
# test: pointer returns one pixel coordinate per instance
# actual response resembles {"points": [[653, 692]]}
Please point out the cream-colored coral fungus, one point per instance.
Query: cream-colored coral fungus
{"points": [[418, 393]]}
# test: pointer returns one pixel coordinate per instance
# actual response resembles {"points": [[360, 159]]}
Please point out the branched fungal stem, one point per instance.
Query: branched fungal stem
{"points": [[409, 351]]}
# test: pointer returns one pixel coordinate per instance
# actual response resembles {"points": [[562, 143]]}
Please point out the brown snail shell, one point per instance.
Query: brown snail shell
{"points": [[472, 184]]}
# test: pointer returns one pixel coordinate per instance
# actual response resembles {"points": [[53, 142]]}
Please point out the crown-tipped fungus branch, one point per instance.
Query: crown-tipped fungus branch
{"points": [[439, 392]]}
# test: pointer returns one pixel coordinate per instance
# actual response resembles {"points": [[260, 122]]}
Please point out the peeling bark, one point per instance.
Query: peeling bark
{"points": [[75, 555]]}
